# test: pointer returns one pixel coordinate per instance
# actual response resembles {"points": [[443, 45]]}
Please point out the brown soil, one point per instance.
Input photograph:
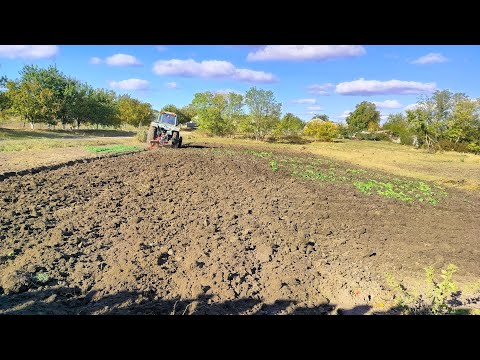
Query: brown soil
{"points": [[193, 231]]}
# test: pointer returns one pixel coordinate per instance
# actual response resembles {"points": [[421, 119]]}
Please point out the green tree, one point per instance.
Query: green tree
{"points": [[217, 113], [264, 112], [322, 117], [189, 112], [4, 100], [321, 130], [290, 125], [134, 112], [59, 85], [365, 116], [31, 101], [464, 123]]}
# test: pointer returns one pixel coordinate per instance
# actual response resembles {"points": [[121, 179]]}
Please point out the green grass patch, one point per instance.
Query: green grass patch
{"points": [[405, 190], [111, 149], [262, 154]]}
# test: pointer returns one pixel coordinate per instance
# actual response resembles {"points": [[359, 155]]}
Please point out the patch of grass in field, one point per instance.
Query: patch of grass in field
{"points": [[369, 184], [45, 144], [404, 190], [110, 149], [444, 168]]}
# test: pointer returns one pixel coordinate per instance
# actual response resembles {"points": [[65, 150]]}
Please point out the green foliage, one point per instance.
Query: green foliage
{"points": [[321, 130], [264, 112], [134, 112], [433, 299], [289, 126], [373, 136], [274, 165], [41, 277], [47, 95], [407, 191], [399, 126], [31, 101], [446, 118], [364, 117], [218, 113], [110, 149], [344, 131], [322, 117]]}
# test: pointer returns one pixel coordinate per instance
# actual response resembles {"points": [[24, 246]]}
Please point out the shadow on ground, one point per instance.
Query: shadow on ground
{"points": [[69, 301]]}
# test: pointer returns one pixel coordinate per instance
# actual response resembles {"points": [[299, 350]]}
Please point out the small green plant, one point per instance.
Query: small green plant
{"points": [[435, 297], [274, 165], [439, 292], [41, 277]]}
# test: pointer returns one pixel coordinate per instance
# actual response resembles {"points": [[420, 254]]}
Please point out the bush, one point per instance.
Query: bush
{"points": [[141, 135], [373, 136], [406, 138], [447, 145], [321, 130]]}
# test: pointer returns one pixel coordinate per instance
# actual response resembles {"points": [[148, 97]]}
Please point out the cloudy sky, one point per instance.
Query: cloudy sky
{"points": [[306, 79]]}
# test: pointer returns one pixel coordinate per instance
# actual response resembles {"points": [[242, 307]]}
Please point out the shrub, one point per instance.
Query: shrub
{"points": [[141, 135], [433, 299], [373, 136], [447, 145], [321, 130]]}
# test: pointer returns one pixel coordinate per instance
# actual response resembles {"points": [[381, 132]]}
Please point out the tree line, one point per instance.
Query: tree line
{"points": [[443, 120], [46, 95]]}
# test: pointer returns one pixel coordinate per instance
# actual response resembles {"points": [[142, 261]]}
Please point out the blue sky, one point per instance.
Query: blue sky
{"points": [[306, 79]]}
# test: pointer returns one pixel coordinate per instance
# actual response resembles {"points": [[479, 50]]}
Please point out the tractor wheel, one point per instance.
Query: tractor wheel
{"points": [[151, 134], [176, 140]]}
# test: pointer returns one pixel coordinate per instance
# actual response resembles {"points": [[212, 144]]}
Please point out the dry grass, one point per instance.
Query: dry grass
{"points": [[447, 168]]}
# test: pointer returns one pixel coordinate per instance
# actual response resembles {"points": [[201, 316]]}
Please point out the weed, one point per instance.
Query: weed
{"points": [[41, 277], [274, 165], [435, 297]]}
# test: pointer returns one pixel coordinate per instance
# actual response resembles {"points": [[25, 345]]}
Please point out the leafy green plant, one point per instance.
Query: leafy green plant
{"points": [[274, 165], [433, 300], [41, 277]]}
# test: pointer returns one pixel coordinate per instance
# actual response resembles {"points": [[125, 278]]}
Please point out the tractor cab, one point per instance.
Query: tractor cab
{"points": [[167, 117]]}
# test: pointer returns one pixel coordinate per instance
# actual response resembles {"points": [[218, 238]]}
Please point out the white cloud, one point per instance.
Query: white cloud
{"points": [[304, 101], [227, 91], [431, 58], [320, 89], [388, 104], [28, 51], [344, 114], [95, 60], [375, 87], [122, 60], [161, 48], [314, 108], [130, 84], [172, 85], [305, 52], [210, 69]]}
